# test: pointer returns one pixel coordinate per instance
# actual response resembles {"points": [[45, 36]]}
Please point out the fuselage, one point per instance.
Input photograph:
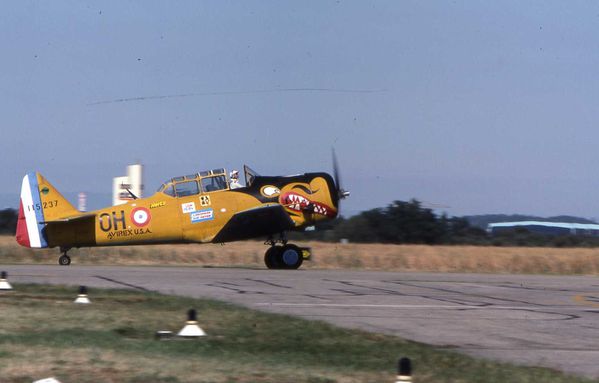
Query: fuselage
{"points": [[199, 208]]}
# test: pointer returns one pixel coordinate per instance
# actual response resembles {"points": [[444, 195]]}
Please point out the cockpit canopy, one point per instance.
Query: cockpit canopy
{"points": [[202, 182]]}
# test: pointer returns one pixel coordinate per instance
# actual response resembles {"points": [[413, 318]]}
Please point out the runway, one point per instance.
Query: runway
{"points": [[549, 321]]}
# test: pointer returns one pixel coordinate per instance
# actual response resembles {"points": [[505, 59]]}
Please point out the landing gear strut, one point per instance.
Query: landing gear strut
{"points": [[64, 259]]}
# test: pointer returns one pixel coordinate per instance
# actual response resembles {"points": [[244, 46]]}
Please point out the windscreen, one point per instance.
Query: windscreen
{"points": [[249, 175]]}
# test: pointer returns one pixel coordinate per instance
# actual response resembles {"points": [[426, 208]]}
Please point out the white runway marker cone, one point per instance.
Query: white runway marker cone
{"points": [[47, 380], [82, 297], [163, 335], [404, 371], [4, 285], [191, 329]]}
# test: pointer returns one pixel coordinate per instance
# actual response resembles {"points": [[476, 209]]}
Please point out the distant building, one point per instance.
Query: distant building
{"points": [[550, 228], [133, 182], [82, 201]]}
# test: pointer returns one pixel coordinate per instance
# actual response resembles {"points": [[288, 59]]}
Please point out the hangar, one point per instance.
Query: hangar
{"points": [[543, 227]]}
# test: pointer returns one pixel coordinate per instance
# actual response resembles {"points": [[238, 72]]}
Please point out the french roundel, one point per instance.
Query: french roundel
{"points": [[140, 216]]}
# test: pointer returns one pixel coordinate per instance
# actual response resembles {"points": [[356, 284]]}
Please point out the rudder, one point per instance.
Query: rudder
{"points": [[40, 202]]}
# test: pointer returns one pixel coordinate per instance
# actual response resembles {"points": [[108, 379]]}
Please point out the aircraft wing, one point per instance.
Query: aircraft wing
{"points": [[69, 219], [255, 222]]}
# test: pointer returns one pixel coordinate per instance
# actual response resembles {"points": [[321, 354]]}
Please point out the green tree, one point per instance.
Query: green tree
{"points": [[8, 221]]}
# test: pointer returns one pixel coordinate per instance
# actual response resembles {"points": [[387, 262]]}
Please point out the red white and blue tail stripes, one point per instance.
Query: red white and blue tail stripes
{"points": [[30, 227]]}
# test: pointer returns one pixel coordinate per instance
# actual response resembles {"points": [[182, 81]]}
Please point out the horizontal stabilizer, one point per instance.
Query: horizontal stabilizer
{"points": [[68, 219]]}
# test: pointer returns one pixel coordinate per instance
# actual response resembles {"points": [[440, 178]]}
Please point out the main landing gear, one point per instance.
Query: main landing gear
{"points": [[283, 257], [287, 256], [64, 259]]}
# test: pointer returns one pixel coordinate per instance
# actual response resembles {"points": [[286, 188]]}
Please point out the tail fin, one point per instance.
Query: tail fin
{"points": [[40, 202]]}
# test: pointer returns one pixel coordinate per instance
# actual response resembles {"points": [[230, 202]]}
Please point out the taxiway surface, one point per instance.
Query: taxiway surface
{"points": [[550, 321]]}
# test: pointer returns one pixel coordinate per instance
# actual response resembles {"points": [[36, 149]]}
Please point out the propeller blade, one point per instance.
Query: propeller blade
{"points": [[336, 170], [340, 191]]}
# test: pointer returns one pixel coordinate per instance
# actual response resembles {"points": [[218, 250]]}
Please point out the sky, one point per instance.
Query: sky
{"points": [[471, 107]]}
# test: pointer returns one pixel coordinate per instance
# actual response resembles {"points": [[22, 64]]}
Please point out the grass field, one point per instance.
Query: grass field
{"points": [[43, 334], [331, 256]]}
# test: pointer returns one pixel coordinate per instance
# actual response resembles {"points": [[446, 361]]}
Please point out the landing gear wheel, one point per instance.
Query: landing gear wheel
{"points": [[290, 257], [64, 260], [271, 257]]}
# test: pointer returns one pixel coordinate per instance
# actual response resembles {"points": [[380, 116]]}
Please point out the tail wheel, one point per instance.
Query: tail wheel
{"points": [[290, 257], [271, 257]]}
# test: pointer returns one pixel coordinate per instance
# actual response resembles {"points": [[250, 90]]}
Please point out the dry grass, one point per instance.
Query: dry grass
{"points": [[111, 340], [331, 256]]}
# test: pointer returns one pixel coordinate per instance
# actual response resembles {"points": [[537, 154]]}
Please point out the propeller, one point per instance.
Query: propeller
{"points": [[341, 193]]}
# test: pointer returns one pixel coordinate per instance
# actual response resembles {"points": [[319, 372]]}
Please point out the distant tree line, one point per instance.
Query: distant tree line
{"points": [[8, 221], [400, 223], [404, 223], [410, 223]]}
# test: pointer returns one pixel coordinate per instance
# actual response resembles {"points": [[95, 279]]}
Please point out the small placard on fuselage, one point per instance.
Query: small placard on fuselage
{"points": [[202, 215]]}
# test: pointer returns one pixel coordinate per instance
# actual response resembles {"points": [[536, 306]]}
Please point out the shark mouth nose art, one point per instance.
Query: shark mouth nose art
{"points": [[300, 203]]}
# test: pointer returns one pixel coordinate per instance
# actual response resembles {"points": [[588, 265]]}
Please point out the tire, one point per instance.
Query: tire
{"points": [[271, 257], [290, 257], [64, 260]]}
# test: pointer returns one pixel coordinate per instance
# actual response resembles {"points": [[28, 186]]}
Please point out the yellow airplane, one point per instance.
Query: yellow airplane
{"points": [[198, 208]]}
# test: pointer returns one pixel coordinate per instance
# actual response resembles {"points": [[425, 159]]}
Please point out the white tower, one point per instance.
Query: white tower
{"points": [[135, 175], [132, 181], [82, 202]]}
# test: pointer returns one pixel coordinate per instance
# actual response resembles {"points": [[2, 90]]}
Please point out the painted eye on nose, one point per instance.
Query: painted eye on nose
{"points": [[270, 191]]}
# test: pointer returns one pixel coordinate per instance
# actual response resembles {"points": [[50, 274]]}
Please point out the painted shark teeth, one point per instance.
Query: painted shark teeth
{"points": [[297, 202], [320, 209]]}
